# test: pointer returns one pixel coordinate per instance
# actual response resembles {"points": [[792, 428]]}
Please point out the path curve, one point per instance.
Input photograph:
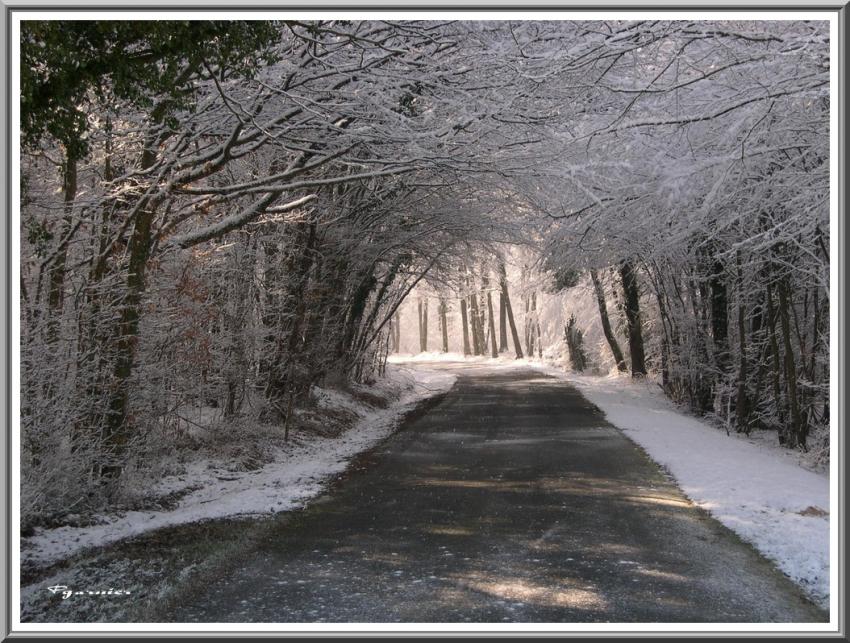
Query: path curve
{"points": [[511, 500]]}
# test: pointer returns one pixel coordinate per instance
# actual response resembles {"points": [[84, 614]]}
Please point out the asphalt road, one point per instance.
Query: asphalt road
{"points": [[511, 500]]}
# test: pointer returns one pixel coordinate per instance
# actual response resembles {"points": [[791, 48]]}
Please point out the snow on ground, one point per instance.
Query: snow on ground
{"points": [[298, 474], [760, 491]]}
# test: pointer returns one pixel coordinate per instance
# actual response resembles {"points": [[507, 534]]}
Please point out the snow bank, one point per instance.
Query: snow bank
{"points": [[298, 474], [758, 490]]}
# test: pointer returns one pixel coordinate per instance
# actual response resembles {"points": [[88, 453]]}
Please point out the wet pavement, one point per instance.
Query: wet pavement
{"points": [[510, 500]]}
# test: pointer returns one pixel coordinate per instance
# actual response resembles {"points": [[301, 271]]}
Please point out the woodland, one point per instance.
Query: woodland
{"points": [[226, 214]]}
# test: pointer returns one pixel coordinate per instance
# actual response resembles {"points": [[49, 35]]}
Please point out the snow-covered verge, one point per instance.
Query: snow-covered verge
{"points": [[758, 490], [300, 471]]}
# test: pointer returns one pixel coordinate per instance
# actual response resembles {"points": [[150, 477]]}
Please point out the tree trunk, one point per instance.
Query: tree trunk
{"points": [[482, 327], [741, 403], [774, 351], [419, 322], [494, 351], [631, 295], [665, 341], [465, 322], [423, 325], [503, 326], [117, 431], [719, 316], [606, 323], [444, 325], [701, 387], [56, 292], [797, 428], [503, 283], [538, 335], [271, 308], [477, 334]]}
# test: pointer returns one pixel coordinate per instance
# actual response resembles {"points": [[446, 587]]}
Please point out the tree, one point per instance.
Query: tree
{"points": [[606, 324], [221, 210], [444, 324], [503, 282], [633, 320], [575, 344]]}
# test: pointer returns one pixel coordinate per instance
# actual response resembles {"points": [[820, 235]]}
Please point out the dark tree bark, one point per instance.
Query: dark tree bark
{"points": [[666, 325], [575, 344], [539, 335], [482, 313], [606, 323], [631, 296], [503, 326], [475, 321], [742, 411], [419, 322], [494, 351], [271, 309], [719, 316], [392, 346], [465, 322], [117, 431], [473, 314], [797, 429], [503, 283], [56, 292], [702, 382], [423, 325], [774, 351], [444, 324]]}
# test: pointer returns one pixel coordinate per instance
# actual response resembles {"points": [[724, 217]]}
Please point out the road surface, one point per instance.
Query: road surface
{"points": [[510, 500]]}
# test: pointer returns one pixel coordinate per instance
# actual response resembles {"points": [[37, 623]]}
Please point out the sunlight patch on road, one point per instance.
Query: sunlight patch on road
{"points": [[667, 501], [662, 575], [525, 591]]}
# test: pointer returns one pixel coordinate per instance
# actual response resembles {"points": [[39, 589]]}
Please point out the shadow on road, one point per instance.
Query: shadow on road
{"points": [[510, 500]]}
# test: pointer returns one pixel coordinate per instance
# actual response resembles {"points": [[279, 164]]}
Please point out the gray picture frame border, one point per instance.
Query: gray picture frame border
{"points": [[9, 7]]}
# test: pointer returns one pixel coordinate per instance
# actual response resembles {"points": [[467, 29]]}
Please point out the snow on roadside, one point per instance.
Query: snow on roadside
{"points": [[757, 490], [298, 474]]}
